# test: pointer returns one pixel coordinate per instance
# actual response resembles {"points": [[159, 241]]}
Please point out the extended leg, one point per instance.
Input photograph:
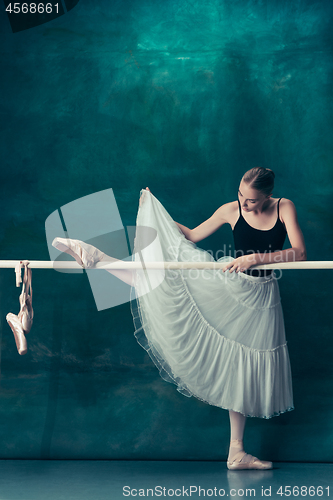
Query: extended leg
{"points": [[125, 275], [88, 256]]}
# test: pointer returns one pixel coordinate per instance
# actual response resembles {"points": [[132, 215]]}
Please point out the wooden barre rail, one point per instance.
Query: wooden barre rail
{"points": [[50, 264]]}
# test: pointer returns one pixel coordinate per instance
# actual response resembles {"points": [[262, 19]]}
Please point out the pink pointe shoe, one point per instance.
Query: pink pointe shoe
{"points": [[17, 329], [85, 255], [243, 461], [22, 323]]}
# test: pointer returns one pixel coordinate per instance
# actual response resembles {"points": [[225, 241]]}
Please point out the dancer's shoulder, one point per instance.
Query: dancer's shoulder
{"points": [[229, 208], [287, 209], [228, 211]]}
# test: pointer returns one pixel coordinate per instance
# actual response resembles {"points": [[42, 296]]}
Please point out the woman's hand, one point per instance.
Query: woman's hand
{"points": [[142, 196], [240, 264]]}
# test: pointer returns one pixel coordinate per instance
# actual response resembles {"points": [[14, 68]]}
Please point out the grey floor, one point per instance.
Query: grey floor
{"points": [[113, 480]]}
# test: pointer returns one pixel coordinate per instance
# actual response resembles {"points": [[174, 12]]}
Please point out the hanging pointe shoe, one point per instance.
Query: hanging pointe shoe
{"points": [[21, 324], [26, 313], [17, 329], [14, 321], [85, 255]]}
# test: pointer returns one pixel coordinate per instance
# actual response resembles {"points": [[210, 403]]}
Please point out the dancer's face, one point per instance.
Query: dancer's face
{"points": [[251, 199]]}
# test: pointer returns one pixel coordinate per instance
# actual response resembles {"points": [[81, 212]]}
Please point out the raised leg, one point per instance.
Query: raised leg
{"points": [[88, 256], [125, 275]]}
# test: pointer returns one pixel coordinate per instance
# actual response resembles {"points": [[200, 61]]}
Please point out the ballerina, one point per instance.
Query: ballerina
{"points": [[217, 334]]}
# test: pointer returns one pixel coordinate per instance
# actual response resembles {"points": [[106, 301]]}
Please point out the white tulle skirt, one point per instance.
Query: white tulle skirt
{"points": [[218, 336]]}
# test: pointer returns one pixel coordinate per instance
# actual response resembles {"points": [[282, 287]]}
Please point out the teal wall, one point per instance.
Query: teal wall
{"points": [[183, 97]]}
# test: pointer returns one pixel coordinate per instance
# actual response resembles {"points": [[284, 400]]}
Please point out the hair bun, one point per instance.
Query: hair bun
{"points": [[261, 179]]}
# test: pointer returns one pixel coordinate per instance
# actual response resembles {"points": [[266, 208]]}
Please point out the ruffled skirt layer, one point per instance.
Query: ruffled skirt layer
{"points": [[218, 336]]}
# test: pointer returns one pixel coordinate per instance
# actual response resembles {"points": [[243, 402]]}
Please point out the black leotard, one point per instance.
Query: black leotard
{"points": [[249, 240]]}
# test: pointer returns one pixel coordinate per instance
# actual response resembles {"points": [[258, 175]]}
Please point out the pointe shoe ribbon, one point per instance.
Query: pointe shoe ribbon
{"points": [[26, 313], [243, 460], [18, 268], [85, 255]]}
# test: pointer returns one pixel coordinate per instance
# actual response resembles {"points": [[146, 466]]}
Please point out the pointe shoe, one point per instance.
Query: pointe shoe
{"points": [[85, 255], [243, 461], [17, 329], [21, 324], [26, 313]]}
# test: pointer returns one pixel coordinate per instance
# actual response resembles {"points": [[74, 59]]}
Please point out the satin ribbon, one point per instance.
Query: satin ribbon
{"points": [[18, 267]]}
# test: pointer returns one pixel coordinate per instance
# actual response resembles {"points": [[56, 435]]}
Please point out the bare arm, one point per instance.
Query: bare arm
{"points": [[208, 227]]}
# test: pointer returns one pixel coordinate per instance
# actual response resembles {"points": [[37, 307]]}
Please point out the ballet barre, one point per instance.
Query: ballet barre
{"points": [[132, 265]]}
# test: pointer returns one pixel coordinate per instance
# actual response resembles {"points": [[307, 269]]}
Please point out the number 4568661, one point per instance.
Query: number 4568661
{"points": [[303, 491], [32, 8]]}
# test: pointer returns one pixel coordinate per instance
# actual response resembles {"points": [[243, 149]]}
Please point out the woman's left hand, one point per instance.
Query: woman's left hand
{"points": [[240, 264], [142, 196]]}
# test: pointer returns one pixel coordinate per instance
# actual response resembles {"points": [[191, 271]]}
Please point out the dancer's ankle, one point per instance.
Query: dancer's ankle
{"points": [[236, 445], [107, 258]]}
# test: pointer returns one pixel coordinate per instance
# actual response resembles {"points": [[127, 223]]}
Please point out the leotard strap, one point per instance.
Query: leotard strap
{"points": [[278, 205]]}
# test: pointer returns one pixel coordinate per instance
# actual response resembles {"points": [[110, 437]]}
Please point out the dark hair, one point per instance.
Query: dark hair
{"points": [[261, 179]]}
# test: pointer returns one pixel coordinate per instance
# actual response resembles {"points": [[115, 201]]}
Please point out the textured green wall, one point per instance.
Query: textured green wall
{"points": [[183, 97]]}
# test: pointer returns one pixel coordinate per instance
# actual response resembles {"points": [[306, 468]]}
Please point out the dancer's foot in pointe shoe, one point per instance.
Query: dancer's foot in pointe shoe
{"points": [[238, 459], [245, 461], [86, 255], [17, 329]]}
